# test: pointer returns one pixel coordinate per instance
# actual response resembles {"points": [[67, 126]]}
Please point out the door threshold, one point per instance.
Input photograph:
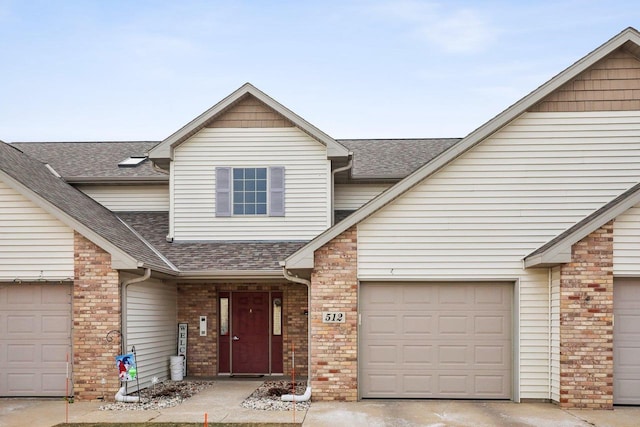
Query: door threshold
{"points": [[246, 375]]}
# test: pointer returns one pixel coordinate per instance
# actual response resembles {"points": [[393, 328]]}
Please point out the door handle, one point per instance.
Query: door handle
{"points": [[235, 338]]}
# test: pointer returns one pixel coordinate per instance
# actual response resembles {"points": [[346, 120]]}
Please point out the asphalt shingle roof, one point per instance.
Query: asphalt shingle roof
{"points": [[197, 256], [34, 175], [393, 158], [92, 159], [372, 158]]}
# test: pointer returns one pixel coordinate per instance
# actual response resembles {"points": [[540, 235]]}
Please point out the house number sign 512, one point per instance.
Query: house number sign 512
{"points": [[333, 317]]}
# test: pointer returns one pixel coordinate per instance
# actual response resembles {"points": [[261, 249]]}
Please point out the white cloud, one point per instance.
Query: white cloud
{"points": [[444, 26]]}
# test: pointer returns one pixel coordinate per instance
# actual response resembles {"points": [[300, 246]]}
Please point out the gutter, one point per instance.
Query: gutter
{"points": [[307, 394], [333, 186], [116, 180], [230, 274], [120, 395]]}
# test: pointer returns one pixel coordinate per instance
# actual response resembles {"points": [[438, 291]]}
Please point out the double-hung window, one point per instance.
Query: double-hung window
{"points": [[249, 191], [256, 191]]}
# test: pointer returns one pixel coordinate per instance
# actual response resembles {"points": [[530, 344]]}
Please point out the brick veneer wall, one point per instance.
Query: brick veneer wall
{"points": [[334, 287], [96, 311], [202, 299], [295, 327], [586, 323], [195, 300]]}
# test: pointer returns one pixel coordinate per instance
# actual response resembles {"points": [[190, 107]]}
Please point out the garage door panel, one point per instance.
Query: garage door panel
{"points": [[383, 355], [491, 386], [453, 325], [50, 383], [451, 356], [412, 297], [382, 384], [51, 323], [23, 383], [417, 385], [419, 356], [383, 325], [458, 346], [485, 325], [54, 353], [453, 295], [414, 325], [22, 325], [626, 342], [629, 323], [20, 354], [490, 355], [35, 320]]}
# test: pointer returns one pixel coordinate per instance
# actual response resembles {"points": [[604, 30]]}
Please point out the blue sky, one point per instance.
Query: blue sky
{"points": [[139, 70]]}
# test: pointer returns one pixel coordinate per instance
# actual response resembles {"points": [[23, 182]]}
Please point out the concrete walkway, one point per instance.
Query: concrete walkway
{"points": [[221, 403]]}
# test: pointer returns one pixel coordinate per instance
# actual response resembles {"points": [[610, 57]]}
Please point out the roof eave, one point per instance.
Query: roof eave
{"points": [[478, 135], [119, 258], [548, 260], [560, 251], [230, 274], [117, 180]]}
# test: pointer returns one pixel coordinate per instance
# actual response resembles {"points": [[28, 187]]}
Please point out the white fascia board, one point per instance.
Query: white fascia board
{"points": [[230, 274], [164, 150], [300, 261], [543, 260], [154, 180], [475, 137], [119, 258]]}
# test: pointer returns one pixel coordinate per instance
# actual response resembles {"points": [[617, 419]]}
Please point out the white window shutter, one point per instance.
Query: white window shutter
{"points": [[223, 191], [276, 191]]}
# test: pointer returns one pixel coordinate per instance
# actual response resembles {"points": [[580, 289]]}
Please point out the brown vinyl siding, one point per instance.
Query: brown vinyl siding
{"points": [[249, 112], [612, 84]]}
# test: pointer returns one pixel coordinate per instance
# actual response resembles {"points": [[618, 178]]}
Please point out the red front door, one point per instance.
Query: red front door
{"points": [[250, 333]]}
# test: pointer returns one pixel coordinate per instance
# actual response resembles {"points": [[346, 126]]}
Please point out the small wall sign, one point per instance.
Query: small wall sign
{"points": [[334, 317], [182, 344]]}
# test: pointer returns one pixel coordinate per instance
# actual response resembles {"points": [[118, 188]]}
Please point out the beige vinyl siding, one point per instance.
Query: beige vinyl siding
{"points": [[307, 178], [626, 243], [555, 334], [353, 196], [130, 197], [478, 217], [33, 243], [151, 326]]}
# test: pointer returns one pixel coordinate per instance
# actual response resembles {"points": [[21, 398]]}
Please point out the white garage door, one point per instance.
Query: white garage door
{"points": [[35, 338], [445, 340], [626, 342]]}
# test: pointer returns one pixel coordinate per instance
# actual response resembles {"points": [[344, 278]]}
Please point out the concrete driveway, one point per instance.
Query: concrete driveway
{"points": [[440, 413], [222, 402]]}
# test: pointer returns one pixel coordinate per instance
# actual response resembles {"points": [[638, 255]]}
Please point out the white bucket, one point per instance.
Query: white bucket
{"points": [[177, 368]]}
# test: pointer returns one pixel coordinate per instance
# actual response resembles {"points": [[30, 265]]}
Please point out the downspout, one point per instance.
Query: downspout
{"points": [[120, 395], [333, 186], [549, 314], [307, 393]]}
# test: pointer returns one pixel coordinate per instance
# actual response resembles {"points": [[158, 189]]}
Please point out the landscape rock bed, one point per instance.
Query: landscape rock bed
{"points": [[267, 397], [163, 395]]}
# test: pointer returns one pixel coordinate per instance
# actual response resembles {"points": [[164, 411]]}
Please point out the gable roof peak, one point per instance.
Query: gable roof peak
{"points": [[303, 258], [164, 150]]}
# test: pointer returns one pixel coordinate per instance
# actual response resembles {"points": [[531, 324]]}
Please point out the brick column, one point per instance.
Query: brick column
{"points": [[586, 326], [96, 311], [295, 328], [334, 348]]}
